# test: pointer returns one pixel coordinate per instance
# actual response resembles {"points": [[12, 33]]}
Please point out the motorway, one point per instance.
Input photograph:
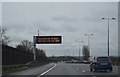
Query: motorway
{"points": [[65, 69]]}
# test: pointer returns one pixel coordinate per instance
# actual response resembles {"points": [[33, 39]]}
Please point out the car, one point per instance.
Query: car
{"points": [[101, 63]]}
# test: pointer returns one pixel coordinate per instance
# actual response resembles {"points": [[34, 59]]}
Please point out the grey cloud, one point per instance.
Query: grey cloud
{"points": [[70, 20], [64, 18], [47, 27], [68, 27]]}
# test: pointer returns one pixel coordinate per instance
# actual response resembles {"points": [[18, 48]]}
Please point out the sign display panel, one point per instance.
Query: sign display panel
{"points": [[48, 39]]}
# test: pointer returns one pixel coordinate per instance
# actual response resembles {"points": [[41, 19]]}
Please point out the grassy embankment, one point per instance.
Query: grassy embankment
{"points": [[6, 70]]}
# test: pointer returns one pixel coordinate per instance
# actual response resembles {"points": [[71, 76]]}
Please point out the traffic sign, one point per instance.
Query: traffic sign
{"points": [[48, 39]]}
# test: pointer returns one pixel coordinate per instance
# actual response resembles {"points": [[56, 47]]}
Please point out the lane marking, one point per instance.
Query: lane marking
{"points": [[83, 70], [47, 70], [77, 68]]}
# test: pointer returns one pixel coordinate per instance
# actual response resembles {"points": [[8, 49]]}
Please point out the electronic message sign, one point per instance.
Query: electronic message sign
{"points": [[48, 39]]}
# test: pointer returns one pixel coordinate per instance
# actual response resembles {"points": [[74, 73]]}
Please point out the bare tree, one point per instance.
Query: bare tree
{"points": [[25, 45], [86, 53], [5, 40], [41, 55]]}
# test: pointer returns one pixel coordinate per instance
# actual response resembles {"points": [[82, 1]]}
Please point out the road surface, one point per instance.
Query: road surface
{"points": [[65, 69]]}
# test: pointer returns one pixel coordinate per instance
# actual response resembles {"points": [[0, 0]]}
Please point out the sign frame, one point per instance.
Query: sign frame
{"points": [[48, 40]]}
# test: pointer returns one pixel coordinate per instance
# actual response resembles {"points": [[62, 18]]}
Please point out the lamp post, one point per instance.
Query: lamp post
{"points": [[79, 47], [73, 51], [108, 19], [89, 40]]}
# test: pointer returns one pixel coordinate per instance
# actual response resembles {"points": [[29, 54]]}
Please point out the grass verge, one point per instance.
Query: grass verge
{"points": [[7, 70]]}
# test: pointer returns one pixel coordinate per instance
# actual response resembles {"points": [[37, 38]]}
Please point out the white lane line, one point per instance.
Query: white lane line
{"points": [[47, 70], [77, 68], [83, 70]]}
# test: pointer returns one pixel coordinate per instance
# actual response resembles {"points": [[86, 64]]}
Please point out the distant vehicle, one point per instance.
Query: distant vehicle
{"points": [[34, 63], [101, 63]]}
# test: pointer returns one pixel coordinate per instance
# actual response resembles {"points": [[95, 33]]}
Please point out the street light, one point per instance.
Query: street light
{"points": [[108, 19], [79, 47], [73, 47], [68, 51], [89, 40]]}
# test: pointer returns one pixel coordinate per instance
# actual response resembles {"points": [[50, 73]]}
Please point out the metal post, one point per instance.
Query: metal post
{"points": [[108, 37], [38, 32], [89, 43], [108, 31], [34, 47], [79, 50], [69, 52], [82, 49]]}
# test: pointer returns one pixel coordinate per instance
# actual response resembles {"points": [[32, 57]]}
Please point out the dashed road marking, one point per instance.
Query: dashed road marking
{"points": [[77, 68], [83, 70]]}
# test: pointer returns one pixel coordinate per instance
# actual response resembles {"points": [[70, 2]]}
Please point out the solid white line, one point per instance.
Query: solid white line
{"points": [[47, 70]]}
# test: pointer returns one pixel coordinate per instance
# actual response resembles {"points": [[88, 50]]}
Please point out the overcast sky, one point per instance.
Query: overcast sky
{"points": [[70, 20]]}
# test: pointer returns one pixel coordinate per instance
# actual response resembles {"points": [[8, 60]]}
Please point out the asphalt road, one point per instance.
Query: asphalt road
{"points": [[65, 69], [34, 71], [79, 70]]}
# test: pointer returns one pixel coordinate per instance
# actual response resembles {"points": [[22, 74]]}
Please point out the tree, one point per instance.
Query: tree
{"points": [[25, 45], [5, 40], [41, 55], [86, 53]]}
